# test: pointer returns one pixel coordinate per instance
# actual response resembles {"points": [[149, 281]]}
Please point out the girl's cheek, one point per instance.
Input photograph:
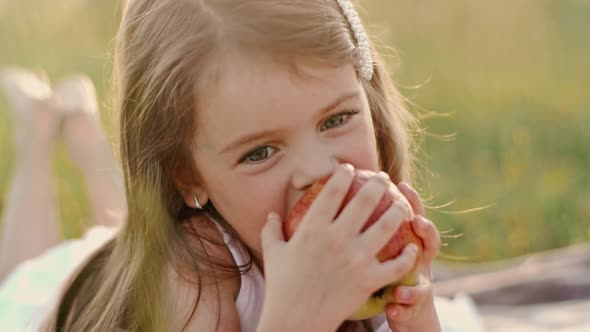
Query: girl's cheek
{"points": [[258, 199], [361, 151]]}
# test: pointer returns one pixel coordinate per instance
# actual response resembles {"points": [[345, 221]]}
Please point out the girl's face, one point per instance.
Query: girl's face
{"points": [[267, 133]]}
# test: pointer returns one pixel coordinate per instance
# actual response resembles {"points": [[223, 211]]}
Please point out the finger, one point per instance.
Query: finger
{"points": [[395, 269], [413, 197], [430, 236], [356, 213], [396, 313], [272, 232], [326, 205], [378, 234], [412, 294]]}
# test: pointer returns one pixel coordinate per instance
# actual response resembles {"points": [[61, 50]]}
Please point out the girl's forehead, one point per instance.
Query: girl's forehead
{"points": [[262, 78], [258, 92]]}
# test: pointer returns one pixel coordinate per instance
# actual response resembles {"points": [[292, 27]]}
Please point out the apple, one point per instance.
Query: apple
{"points": [[404, 235]]}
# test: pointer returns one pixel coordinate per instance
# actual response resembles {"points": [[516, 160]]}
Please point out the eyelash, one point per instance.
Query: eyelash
{"points": [[345, 114]]}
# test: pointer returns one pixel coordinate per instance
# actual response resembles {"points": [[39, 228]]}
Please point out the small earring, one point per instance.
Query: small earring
{"points": [[198, 205]]}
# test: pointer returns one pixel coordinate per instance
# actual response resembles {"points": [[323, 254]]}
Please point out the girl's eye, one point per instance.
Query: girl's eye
{"points": [[336, 120], [258, 155], [262, 153]]}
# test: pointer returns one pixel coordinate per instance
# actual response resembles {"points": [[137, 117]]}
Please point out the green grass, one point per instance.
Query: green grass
{"points": [[513, 77]]}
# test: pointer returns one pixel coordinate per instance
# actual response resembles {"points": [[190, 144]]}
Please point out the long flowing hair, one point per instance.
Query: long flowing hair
{"points": [[166, 52]]}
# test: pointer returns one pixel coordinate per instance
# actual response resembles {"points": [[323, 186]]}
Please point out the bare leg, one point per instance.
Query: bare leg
{"points": [[30, 216], [89, 148]]}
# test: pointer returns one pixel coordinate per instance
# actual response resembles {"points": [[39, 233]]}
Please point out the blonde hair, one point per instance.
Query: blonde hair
{"points": [[164, 52]]}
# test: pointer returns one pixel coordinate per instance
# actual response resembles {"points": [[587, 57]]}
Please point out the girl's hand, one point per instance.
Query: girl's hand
{"points": [[328, 268], [414, 310]]}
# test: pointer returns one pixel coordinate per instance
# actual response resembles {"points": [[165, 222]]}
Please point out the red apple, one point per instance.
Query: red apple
{"points": [[404, 235]]}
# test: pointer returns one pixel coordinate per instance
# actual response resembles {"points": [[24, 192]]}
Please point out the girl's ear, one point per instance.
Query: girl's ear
{"points": [[189, 187]]}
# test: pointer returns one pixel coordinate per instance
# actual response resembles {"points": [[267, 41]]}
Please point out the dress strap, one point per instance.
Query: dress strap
{"points": [[251, 295]]}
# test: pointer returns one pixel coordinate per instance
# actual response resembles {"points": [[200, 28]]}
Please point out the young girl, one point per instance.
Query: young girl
{"points": [[229, 111]]}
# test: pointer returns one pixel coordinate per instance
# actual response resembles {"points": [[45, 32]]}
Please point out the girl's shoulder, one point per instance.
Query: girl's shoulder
{"points": [[215, 311], [31, 289], [215, 296]]}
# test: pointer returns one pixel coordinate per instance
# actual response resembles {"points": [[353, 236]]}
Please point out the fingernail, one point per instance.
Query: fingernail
{"points": [[272, 216], [347, 167], [412, 248], [409, 188], [423, 220], [385, 175], [419, 218], [383, 178]]}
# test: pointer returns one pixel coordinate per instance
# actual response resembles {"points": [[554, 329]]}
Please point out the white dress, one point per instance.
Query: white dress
{"points": [[32, 289]]}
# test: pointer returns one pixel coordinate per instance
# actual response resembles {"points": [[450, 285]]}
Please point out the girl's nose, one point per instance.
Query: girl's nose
{"points": [[312, 168]]}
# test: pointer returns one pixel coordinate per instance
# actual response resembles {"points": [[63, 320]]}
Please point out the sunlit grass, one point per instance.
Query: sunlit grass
{"points": [[513, 76]]}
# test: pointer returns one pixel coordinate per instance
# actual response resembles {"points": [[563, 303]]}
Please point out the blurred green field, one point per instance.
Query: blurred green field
{"points": [[509, 81]]}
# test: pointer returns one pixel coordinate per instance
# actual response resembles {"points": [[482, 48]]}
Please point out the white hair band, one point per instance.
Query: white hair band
{"points": [[362, 48]]}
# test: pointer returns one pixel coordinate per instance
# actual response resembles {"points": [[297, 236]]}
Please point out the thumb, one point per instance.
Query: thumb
{"points": [[272, 232]]}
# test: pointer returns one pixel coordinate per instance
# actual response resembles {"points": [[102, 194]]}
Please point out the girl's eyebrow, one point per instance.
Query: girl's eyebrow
{"points": [[268, 132]]}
